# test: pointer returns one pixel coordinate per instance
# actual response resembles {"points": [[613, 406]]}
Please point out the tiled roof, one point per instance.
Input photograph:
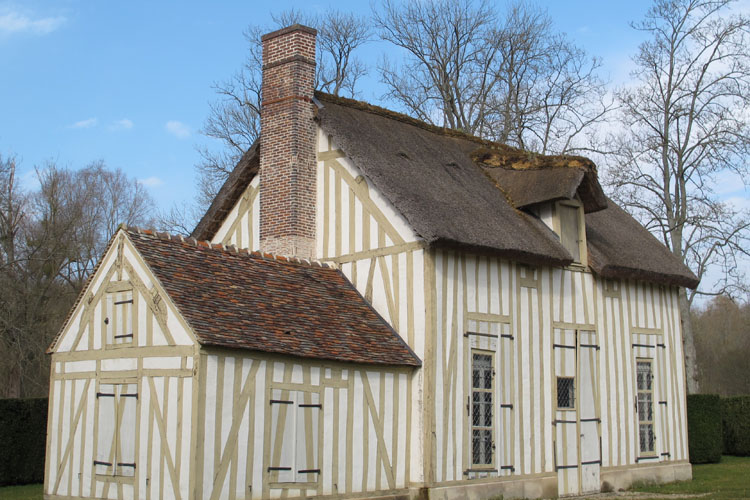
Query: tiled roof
{"points": [[247, 300]]}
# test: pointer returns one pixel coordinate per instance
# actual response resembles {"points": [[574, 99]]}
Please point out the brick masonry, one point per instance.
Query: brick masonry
{"points": [[288, 143]]}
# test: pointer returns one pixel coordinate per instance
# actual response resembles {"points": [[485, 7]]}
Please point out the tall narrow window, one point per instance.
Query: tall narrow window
{"points": [[116, 420], [570, 233], [645, 405], [482, 383]]}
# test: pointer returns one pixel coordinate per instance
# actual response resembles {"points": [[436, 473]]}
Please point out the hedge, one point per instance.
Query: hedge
{"points": [[704, 428], [23, 438], [736, 422]]}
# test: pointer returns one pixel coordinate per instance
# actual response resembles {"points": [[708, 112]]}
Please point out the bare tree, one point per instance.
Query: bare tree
{"points": [[507, 77], [50, 240], [234, 120], [450, 69], [684, 122]]}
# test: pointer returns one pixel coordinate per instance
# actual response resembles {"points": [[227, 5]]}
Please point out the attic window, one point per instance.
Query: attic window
{"points": [[569, 225]]}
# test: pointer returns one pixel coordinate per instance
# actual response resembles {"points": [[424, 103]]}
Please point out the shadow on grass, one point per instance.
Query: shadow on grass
{"points": [[728, 479], [25, 492]]}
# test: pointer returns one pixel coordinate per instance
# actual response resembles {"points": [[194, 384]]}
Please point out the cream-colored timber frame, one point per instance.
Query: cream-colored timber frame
{"points": [[531, 300], [241, 225], [362, 434], [89, 361], [490, 333], [543, 298], [582, 263], [362, 234]]}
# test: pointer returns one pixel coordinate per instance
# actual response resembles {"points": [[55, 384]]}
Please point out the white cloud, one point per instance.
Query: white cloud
{"points": [[177, 129], [151, 182], [87, 123], [12, 22], [739, 202], [123, 124]]}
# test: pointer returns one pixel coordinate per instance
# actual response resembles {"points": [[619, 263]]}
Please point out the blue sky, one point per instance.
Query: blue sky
{"points": [[130, 82]]}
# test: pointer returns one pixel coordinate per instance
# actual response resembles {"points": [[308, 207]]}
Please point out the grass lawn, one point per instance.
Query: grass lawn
{"points": [[25, 492], [728, 479]]}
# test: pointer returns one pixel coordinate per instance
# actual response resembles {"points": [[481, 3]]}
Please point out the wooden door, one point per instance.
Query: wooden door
{"points": [[577, 422]]}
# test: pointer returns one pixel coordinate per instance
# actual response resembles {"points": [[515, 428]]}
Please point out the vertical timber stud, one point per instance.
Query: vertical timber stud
{"points": [[430, 360], [288, 143]]}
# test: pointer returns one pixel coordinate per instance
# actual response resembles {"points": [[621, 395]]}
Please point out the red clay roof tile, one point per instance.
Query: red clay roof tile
{"points": [[263, 303]]}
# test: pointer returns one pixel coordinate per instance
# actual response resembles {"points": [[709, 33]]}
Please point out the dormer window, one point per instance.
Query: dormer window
{"points": [[569, 225], [565, 218]]}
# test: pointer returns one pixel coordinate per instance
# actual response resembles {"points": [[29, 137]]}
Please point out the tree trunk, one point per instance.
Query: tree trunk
{"points": [[688, 345]]}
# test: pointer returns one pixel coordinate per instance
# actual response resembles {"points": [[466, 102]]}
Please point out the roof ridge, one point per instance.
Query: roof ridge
{"points": [[448, 132], [404, 118], [230, 249]]}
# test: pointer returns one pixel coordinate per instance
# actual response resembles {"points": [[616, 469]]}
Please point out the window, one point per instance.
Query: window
{"points": [[119, 318], [570, 229], [295, 421], [645, 405], [566, 392], [116, 418], [482, 383]]}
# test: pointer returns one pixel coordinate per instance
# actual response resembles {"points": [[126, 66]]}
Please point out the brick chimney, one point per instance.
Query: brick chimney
{"points": [[288, 143]]}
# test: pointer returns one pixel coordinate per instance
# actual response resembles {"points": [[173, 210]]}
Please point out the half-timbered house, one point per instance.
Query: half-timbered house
{"points": [[374, 307]]}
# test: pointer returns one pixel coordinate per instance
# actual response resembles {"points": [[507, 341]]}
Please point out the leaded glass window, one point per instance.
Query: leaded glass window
{"points": [[482, 383], [645, 381], [566, 392]]}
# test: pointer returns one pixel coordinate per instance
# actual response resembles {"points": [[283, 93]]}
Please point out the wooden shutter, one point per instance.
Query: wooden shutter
{"points": [[283, 431], [295, 422], [569, 230], [106, 420], [308, 410], [119, 319], [127, 402]]}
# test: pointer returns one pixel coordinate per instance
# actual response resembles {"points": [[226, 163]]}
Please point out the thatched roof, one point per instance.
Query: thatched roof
{"points": [[230, 192], [432, 181], [529, 178], [462, 191], [619, 247]]}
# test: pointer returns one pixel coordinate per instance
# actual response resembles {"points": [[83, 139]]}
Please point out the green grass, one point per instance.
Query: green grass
{"points": [[25, 492], [728, 479]]}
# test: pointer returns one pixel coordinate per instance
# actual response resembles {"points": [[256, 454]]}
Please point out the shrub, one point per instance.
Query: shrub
{"points": [[736, 423], [23, 439], [704, 428]]}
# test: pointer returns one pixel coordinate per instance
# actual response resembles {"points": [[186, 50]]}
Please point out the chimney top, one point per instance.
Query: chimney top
{"points": [[289, 29]]}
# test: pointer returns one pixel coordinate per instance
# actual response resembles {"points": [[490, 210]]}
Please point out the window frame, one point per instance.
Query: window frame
{"points": [[582, 263], [120, 384], [494, 405], [117, 309], [652, 392], [574, 407], [271, 470]]}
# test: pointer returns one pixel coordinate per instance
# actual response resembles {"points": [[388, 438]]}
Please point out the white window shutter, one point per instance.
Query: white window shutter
{"points": [[109, 320], [283, 431], [126, 408], [308, 410], [106, 421]]}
